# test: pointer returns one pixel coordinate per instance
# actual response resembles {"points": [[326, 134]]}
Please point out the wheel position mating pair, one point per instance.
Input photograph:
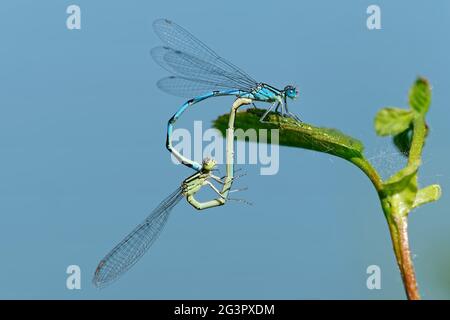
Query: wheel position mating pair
{"points": [[200, 73]]}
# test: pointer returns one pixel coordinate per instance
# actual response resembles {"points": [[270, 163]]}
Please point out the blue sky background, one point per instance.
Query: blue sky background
{"points": [[82, 132]]}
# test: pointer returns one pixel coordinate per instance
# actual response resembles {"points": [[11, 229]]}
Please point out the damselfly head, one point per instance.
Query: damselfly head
{"points": [[208, 164], [291, 92]]}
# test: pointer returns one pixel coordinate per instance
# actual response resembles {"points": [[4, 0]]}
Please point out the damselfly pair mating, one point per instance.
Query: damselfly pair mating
{"points": [[199, 74]]}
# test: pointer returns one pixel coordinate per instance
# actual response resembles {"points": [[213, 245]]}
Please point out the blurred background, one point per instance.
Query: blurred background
{"points": [[83, 158]]}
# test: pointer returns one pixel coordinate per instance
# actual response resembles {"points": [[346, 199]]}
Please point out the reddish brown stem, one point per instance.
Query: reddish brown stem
{"points": [[398, 227]]}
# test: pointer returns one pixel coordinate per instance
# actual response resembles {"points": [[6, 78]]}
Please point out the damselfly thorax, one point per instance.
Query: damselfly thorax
{"points": [[267, 93], [194, 183]]}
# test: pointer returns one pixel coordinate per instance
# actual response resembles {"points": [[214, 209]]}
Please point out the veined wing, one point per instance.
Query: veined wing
{"points": [[178, 38], [191, 67], [186, 56], [134, 245], [188, 88]]}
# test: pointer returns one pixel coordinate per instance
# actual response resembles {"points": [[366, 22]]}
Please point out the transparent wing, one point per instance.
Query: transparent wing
{"points": [[132, 248], [178, 38], [188, 88], [189, 66], [186, 56]]}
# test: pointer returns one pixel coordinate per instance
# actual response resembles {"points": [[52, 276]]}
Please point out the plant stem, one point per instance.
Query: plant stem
{"points": [[398, 223], [418, 140], [398, 227]]}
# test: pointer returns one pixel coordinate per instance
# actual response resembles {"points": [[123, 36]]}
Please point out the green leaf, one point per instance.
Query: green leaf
{"points": [[427, 194], [392, 121], [420, 96], [401, 189], [295, 134], [401, 179]]}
